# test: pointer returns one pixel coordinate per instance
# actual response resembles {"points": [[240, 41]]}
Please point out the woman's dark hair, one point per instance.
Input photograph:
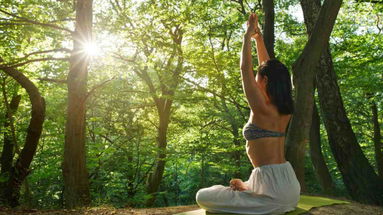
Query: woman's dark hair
{"points": [[278, 85]]}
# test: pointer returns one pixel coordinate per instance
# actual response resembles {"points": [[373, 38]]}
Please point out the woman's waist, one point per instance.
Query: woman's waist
{"points": [[260, 158]]}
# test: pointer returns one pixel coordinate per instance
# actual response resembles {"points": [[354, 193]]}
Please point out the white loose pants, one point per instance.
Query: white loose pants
{"points": [[273, 189]]}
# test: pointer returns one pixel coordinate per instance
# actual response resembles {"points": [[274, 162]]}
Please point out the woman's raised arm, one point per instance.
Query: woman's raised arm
{"points": [[253, 94], [263, 56]]}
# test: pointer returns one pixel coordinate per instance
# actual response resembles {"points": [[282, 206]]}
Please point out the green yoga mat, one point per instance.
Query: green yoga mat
{"points": [[304, 205]]}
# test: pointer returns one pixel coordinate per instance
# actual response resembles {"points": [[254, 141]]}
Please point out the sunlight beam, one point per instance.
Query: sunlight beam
{"points": [[91, 49]]}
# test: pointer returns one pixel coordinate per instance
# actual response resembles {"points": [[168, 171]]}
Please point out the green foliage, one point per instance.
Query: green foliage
{"points": [[208, 109]]}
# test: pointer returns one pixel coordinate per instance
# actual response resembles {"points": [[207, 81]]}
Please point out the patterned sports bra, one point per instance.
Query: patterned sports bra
{"points": [[252, 132]]}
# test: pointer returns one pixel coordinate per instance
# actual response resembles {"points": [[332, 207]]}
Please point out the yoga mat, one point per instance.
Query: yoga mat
{"points": [[305, 204]]}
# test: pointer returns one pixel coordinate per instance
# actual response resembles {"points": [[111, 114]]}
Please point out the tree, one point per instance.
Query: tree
{"points": [[163, 76], [268, 32], [10, 141], [304, 73], [378, 145], [76, 184], [20, 170], [14, 66], [316, 155], [350, 159]]}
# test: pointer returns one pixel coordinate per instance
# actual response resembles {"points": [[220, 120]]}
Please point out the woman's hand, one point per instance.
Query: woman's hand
{"points": [[237, 184], [252, 26]]}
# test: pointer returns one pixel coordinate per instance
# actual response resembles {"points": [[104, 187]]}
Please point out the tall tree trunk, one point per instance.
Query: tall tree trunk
{"points": [[316, 155], [378, 146], [20, 170], [164, 104], [27, 194], [358, 175], [268, 31], [76, 184], [155, 178], [304, 73], [7, 153], [311, 12]]}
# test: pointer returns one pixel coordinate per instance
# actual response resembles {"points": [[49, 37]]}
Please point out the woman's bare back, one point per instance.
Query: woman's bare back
{"points": [[268, 150]]}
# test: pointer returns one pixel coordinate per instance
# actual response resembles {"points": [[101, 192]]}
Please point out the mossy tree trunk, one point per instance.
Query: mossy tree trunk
{"points": [[358, 175], [303, 73], [76, 184]]}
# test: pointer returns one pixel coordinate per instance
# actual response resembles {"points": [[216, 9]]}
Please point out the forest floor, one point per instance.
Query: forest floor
{"points": [[336, 209], [344, 209], [103, 211]]}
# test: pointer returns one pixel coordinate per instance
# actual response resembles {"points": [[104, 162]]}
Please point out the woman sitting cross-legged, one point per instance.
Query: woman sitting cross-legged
{"points": [[272, 187]]}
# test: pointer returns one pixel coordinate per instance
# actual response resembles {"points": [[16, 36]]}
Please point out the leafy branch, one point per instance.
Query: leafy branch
{"points": [[25, 20]]}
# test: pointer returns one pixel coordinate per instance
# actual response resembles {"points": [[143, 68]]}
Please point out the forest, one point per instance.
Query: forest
{"points": [[139, 103]]}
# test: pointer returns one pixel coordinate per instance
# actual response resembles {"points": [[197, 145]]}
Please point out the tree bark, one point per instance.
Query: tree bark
{"points": [[358, 175], [311, 13], [9, 142], [268, 30], [76, 184], [316, 155], [20, 170], [303, 73], [155, 178], [378, 146], [27, 194]]}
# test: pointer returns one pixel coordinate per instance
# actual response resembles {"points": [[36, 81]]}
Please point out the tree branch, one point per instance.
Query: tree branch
{"points": [[212, 92], [13, 65], [53, 80], [36, 22], [47, 51], [142, 73], [98, 86], [377, 23]]}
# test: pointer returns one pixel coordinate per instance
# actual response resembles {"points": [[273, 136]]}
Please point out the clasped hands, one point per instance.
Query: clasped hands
{"points": [[238, 185], [253, 27]]}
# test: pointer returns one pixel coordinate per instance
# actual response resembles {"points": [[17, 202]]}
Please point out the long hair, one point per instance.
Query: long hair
{"points": [[278, 85]]}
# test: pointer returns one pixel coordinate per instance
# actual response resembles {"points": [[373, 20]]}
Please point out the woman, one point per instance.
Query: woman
{"points": [[272, 187]]}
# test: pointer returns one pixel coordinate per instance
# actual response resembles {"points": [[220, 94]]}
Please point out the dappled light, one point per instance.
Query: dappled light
{"points": [[191, 107]]}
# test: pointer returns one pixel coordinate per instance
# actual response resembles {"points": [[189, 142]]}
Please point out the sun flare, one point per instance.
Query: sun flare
{"points": [[91, 49]]}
